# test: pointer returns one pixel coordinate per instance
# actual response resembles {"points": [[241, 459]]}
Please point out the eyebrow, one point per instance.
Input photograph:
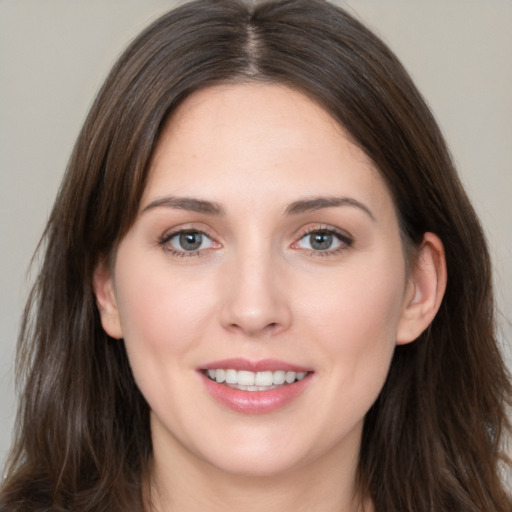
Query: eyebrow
{"points": [[186, 203], [317, 203], [297, 207]]}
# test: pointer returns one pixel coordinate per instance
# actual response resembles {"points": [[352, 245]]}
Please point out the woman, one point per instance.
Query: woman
{"points": [[263, 286]]}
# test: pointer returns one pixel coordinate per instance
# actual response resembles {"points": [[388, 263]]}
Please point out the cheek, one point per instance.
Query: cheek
{"points": [[155, 303], [163, 315], [356, 316]]}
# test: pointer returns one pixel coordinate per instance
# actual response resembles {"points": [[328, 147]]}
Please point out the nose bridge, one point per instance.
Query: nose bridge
{"points": [[255, 302]]}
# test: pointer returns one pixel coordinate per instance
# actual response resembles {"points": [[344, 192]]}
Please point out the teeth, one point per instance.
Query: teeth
{"points": [[245, 378], [290, 377], [264, 379], [231, 377], [279, 377], [254, 381], [251, 388], [220, 375]]}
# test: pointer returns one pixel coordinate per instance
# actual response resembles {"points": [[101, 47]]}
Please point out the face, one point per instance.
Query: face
{"points": [[262, 289]]}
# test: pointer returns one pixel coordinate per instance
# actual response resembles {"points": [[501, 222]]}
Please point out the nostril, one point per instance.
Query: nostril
{"points": [[271, 329]]}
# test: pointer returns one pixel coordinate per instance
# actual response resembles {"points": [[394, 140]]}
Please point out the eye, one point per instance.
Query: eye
{"points": [[187, 241], [323, 240]]}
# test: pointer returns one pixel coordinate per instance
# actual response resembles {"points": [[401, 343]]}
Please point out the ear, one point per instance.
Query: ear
{"points": [[425, 289], [103, 285]]}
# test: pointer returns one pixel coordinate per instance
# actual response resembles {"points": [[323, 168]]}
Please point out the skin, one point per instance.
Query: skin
{"points": [[257, 289]]}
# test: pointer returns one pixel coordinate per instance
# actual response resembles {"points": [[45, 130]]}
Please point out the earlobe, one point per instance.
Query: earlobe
{"points": [[425, 291], [105, 299]]}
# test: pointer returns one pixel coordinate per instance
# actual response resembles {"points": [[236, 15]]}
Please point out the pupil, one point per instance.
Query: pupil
{"points": [[321, 241], [191, 241]]}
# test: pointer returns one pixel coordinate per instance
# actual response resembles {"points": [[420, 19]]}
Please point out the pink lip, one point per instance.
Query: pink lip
{"points": [[255, 402], [268, 365]]}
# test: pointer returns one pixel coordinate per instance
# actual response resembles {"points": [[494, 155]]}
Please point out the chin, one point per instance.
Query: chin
{"points": [[259, 465]]}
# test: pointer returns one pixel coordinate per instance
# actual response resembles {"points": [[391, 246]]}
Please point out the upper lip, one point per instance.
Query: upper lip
{"points": [[239, 363]]}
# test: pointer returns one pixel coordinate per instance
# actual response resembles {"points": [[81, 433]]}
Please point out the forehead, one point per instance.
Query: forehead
{"points": [[257, 137], [243, 109]]}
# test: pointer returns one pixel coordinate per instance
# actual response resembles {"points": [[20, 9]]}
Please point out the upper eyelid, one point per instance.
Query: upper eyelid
{"points": [[174, 232], [324, 228], [169, 233]]}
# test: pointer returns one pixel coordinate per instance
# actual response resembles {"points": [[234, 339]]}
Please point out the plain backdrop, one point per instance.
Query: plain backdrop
{"points": [[54, 55]]}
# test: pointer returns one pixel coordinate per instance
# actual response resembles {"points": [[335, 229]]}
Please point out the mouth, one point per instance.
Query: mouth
{"points": [[255, 387], [245, 380]]}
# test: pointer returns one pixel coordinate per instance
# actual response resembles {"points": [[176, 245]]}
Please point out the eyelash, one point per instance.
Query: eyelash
{"points": [[345, 242], [165, 239]]}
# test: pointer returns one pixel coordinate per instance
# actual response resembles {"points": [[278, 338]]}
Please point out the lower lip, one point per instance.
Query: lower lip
{"points": [[256, 402]]}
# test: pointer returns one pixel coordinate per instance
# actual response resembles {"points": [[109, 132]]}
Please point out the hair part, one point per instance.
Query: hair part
{"points": [[433, 441]]}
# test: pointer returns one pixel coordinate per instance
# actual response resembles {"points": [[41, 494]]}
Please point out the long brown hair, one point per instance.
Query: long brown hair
{"points": [[433, 441]]}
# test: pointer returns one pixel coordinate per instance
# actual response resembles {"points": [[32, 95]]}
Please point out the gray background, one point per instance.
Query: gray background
{"points": [[54, 55]]}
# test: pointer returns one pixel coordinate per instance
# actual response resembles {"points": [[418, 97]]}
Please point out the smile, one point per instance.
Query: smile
{"points": [[255, 387], [254, 381]]}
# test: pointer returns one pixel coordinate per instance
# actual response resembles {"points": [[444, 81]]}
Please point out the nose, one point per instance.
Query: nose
{"points": [[255, 300]]}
